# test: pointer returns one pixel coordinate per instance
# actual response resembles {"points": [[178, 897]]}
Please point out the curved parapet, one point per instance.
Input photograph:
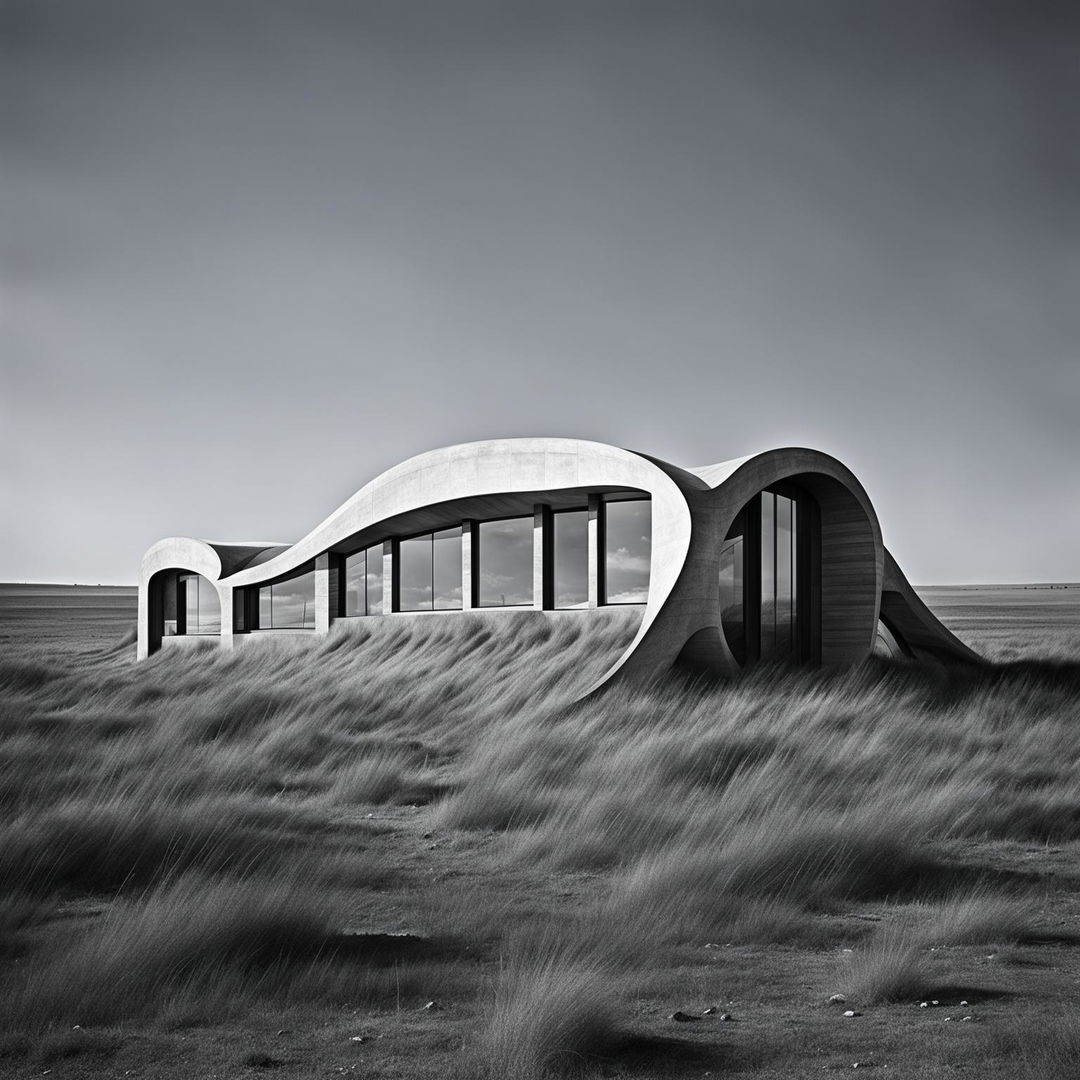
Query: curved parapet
{"points": [[840, 585], [842, 601], [919, 632], [183, 554]]}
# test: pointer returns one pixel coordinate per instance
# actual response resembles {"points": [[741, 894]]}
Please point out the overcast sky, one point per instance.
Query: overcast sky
{"points": [[254, 253]]}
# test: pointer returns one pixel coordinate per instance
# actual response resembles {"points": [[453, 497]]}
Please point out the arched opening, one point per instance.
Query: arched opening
{"points": [[889, 644], [770, 578], [182, 604]]}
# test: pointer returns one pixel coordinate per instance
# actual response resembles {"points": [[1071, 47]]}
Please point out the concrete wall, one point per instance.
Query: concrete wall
{"points": [[692, 510]]}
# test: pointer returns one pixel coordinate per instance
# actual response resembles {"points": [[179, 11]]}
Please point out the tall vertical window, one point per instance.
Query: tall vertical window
{"points": [[373, 578], [627, 551], [786, 643], [571, 558], [288, 605], [414, 573], [778, 571], [429, 569], [446, 569], [760, 562], [202, 607], [768, 574], [506, 563], [731, 595], [364, 582]]}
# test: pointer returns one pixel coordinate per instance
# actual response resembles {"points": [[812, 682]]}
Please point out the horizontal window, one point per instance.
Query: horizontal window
{"points": [[288, 605]]}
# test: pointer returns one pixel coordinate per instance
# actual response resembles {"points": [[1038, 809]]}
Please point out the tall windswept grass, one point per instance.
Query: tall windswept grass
{"points": [[553, 1013], [735, 882], [891, 967], [894, 964], [980, 918], [206, 803], [193, 936], [105, 845]]}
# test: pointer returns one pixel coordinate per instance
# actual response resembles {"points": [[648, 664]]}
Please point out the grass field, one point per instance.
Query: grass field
{"points": [[401, 851]]}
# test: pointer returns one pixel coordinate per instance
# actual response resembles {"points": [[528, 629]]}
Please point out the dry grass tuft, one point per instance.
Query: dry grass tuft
{"points": [[891, 967], [553, 1014], [979, 918]]}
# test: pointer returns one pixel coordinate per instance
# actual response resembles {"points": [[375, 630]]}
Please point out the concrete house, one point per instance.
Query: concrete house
{"points": [[776, 558]]}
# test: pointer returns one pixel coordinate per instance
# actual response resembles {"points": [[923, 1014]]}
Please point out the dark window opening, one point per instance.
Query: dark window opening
{"points": [[769, 579]]}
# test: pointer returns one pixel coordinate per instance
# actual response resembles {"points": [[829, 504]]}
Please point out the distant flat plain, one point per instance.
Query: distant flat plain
{"points": [[76, 616], [1004, 622]]}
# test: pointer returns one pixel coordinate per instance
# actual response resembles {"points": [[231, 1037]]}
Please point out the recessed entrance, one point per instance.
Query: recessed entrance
{"points": [[770, 579]]}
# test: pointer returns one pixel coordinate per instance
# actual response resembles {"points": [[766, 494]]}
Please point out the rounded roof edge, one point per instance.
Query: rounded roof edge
{"points": [[181, 553]]}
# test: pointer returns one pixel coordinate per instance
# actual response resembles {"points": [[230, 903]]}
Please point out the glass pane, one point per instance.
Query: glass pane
{"points": [[414, 582], [572, 559], [768, 574], [731, 596], [794, 577], [628, 549], [169, 590], [446, 563], [506, 562], [293, 604], [785, 550], [209, 607], [191, 603], [355, 583], [266, 607], [374, 575]]}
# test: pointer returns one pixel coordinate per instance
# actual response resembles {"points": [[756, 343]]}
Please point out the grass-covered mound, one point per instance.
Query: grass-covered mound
{"points": [[292, 849]]}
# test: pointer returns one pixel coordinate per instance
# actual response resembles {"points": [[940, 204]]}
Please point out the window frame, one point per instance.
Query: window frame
{"points": [[606, 500], [478, 579], [553, 588]]}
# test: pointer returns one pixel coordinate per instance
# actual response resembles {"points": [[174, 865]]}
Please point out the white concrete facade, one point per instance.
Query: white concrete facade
{"points": [[855, 581]]}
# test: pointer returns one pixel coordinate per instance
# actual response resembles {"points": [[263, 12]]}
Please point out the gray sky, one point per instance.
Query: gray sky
{"points": [[253, 253]]}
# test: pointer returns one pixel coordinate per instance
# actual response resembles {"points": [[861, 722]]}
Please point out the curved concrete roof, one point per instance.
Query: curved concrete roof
{"points": [[500, 476]]}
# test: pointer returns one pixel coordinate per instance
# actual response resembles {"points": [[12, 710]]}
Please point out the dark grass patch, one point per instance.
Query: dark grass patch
{"points": [[76, 1042], [242, 712], [258, 1059], [127, 844], [19, 674], [1040, 1049], [386, 950], [640, 1053]]}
